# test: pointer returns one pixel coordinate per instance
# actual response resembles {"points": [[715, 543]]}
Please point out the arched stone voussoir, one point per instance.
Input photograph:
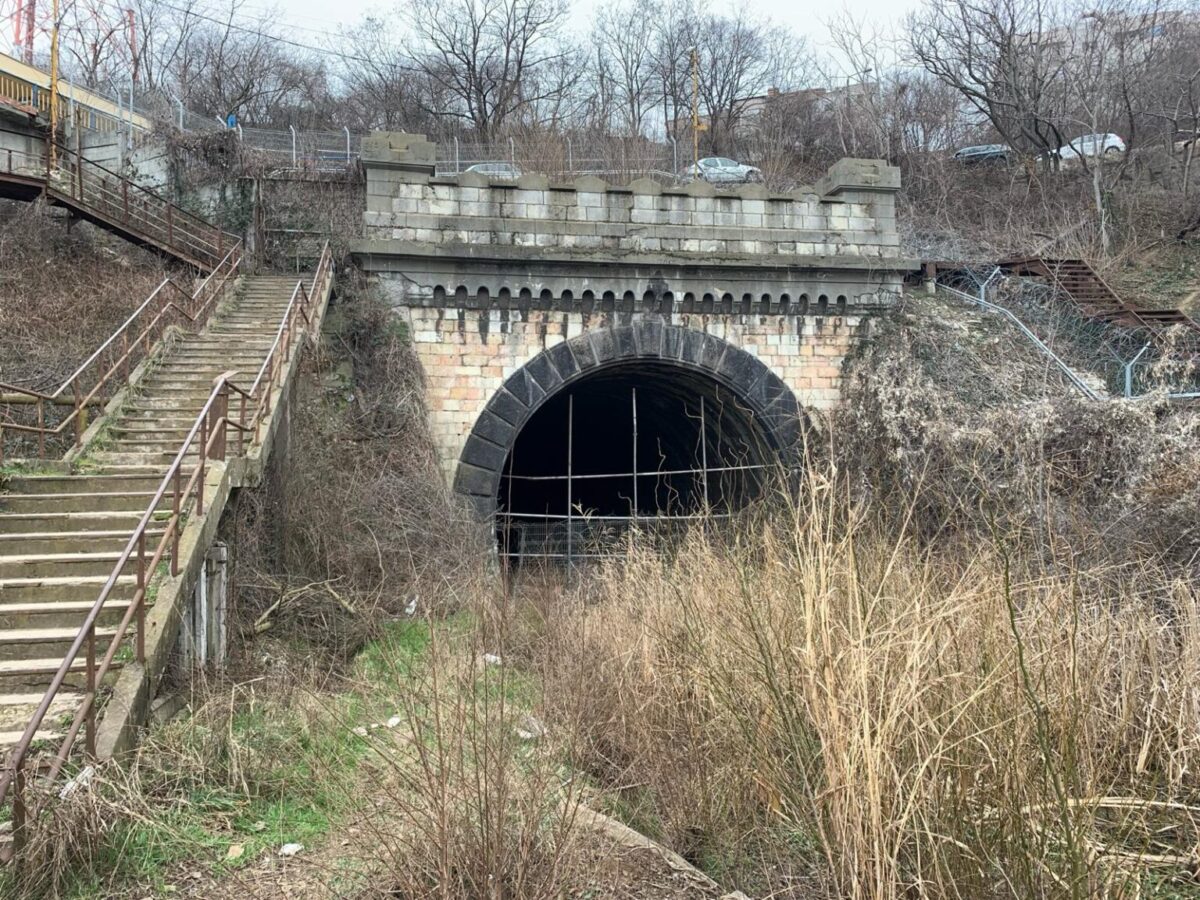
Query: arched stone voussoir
{"points": [[495, 431]]}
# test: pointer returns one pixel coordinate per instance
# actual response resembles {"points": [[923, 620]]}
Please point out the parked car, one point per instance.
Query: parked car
{"points": [[719, 170], [984, 153], [497, 171], [1185, 139], [1091, 145]]}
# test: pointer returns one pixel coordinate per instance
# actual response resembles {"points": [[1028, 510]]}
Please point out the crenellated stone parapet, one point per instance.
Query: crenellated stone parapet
{"points": [[849, 214]]}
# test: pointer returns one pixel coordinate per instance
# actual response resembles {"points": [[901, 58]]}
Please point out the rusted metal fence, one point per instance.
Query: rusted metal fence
{"points": [[68, 178], [25, 414], [206, 442]]}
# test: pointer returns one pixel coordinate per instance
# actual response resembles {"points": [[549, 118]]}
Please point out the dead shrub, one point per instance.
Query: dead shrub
{"points": [[62, 291], [361, 527]]}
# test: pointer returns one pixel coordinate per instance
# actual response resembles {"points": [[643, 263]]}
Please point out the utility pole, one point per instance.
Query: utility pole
{"points": [[53, 150], [696, 126]]}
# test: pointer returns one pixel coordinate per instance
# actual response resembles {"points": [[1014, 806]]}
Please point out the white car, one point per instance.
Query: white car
{"points": [[496, 171], [1091, 145], [719, 170]]}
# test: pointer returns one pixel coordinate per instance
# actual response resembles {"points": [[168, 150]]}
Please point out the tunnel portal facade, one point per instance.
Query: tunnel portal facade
{"points": [[594, 352]]}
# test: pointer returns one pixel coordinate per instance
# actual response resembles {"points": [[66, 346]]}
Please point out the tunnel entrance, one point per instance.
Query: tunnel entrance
{"points": [[643, 444]]}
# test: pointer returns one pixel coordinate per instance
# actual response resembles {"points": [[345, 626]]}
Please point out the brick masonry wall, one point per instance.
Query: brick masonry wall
{"points": [[467, 354]]}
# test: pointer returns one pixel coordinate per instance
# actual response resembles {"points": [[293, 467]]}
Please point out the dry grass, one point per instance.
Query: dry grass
{"points": [[361, 526], [62, 292], [934, 724]]}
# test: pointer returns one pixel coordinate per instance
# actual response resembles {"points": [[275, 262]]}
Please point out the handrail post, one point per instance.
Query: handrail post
{"points": [[41, 415], [242, 423], [125, 200], [80, 412], [221, 416], [19, 824], [90, 745], [176, 505], [201, 466], [140, 598]]}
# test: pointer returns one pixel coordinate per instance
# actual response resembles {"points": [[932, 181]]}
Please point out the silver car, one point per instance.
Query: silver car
{"points": [[719, 170], [496, 171]]}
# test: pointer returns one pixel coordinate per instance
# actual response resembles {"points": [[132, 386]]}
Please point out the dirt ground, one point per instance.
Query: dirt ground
{"points": [[606, 870]]}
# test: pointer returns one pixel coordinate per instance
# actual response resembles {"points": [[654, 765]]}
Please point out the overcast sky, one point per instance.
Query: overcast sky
{"points": [[309, 18]]}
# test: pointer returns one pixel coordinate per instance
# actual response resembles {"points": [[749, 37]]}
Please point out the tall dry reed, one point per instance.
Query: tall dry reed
{"points": [[966, 723]]}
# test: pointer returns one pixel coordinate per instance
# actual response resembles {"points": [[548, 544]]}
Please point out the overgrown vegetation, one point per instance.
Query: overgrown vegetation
{"points": [[959, 659], [84, 288]]}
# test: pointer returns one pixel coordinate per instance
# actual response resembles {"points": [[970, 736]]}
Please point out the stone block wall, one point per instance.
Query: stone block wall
{"points": [[850, 213], [467, 355]]}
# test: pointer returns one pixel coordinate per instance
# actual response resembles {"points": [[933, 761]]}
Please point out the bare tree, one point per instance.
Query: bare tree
{"points": [[740, 58], [1005, 57], [625, 57], [483, 56]]}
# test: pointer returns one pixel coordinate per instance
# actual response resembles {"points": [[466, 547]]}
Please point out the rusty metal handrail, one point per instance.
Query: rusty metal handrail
{"points": [[209, 433], [112, 197], [195, 309]]}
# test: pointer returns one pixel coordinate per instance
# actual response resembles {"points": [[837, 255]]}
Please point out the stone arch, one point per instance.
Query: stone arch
{"points": [[771, 404]]}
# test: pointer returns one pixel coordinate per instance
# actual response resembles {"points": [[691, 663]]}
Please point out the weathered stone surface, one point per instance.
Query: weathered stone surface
{"points": [[513, 292]]}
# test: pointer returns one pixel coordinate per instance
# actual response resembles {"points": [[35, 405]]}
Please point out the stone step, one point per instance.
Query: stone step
{"points": [[45, 565], [60, 614], [24, 523], [70, 541], [17, 708], [138, 429], [65, 587], [261, 340], [8, 740], [91, 501], [147, 457], [43, 643], [18, 674], [201, 380], [82, 484]]}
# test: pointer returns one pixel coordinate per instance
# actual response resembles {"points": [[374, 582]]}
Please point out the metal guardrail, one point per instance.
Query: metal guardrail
{"points": [[1041, 346], [208, 437], [120, 353]]}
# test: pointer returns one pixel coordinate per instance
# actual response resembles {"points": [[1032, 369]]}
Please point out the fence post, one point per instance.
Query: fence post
{"points": [[570, 157], [292, 129], [512, 150], [457, 164], [347, 130]]}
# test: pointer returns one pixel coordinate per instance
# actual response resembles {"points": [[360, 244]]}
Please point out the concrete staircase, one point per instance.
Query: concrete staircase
{"points": [[62, 534]]}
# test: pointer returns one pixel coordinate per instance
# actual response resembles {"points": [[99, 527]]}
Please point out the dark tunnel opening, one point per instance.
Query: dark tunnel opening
{"points": [[645, 443]]}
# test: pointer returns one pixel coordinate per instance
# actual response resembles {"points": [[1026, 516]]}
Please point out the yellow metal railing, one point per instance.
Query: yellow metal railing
{"points": [[30, 87]]}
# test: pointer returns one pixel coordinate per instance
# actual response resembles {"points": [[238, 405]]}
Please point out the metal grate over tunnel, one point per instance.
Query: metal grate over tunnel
{"points": [[645, 445]]}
